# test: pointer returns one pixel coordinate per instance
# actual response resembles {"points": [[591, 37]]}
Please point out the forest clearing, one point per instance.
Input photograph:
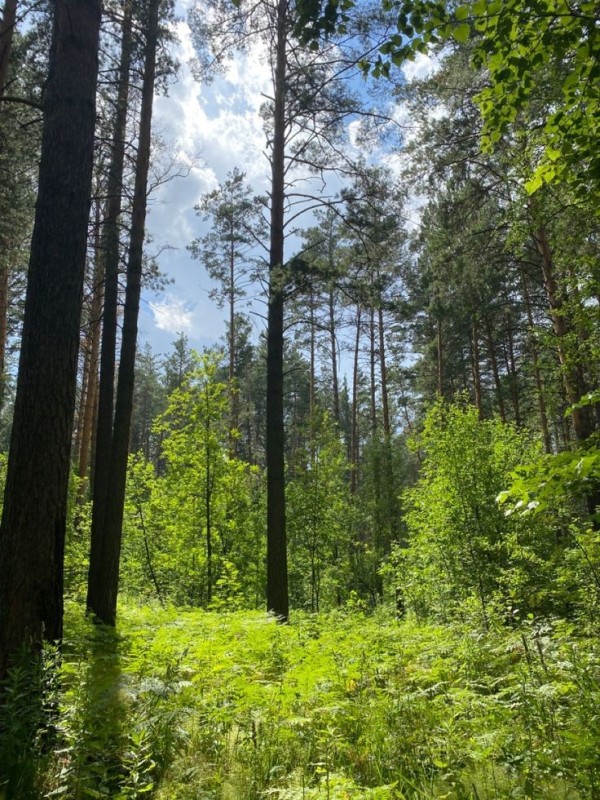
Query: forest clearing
{"points": [[299, 399], [186, 705]]}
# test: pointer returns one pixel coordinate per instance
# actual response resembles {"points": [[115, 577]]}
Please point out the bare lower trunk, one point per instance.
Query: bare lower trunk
{"points": [[33, 525], [7, 28], [495, 372], [536, 367], [104, 560], [475, 365], [354, 447], [277, 577], [111, 251]]}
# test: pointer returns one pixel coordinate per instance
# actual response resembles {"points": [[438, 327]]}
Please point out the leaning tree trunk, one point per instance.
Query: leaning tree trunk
{"points": [[105, 556], [277, 578], [32, 531]]}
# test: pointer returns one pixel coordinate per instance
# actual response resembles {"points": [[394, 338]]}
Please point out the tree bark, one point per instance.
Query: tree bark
{"points": [[7, 28], [536, 368], [33, 524], [354, 448], [475, 365], [105, 558], [495, 372], [111, 253], [277, 576], [91, 395], [334, 364], [440, 357], [574, 383]]}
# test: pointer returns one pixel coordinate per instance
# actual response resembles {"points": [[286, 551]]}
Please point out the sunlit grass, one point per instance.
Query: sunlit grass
{"points": [[183, 705]]}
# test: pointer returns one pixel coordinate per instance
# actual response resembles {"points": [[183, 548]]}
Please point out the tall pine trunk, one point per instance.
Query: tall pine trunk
{"points": [[32, 531], [277, 577], [104, 564], [7, 28], [111, 252]]}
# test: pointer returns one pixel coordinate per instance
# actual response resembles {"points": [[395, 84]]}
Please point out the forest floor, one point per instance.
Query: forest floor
{"points": [[188, 705]]}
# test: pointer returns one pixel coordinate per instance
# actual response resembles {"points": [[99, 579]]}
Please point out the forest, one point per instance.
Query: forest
{"points": [[352, 548]]}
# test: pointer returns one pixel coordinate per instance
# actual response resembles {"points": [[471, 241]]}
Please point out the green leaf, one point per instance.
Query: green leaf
{"points": [[462, 32]]}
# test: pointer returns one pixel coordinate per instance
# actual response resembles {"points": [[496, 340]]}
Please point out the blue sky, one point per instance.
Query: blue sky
{"points": [[209, 130]]}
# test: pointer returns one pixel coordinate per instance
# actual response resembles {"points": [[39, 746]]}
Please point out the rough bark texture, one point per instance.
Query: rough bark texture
{"points": [[34, 516], [104, 560], [111, 253], [7, 27], [277, 578], [91, 394]]}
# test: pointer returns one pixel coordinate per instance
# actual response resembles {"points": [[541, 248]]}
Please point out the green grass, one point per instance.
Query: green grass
{"points": [[187, 705]]}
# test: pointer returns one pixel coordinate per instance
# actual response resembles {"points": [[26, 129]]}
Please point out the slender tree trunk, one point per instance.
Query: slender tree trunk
{"points": [[354, 436], [512, 371], [312, 360], [574, 384], [440, 358], [475, 365], [372, 359], [536, 367], [4, 303], [495, 372], [277, 575], [334, 364], [233, 393], [208, 506], [111, 251], [33, 524], [7, 28], [390, 483], [103, 585], [91, 395]]}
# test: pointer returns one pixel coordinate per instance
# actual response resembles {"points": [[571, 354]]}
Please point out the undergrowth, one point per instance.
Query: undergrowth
{"points": [[187, 705]]}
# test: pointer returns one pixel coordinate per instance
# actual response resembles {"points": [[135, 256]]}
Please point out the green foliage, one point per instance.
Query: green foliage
{"points": [[464, 553], [187, 705], [319, 519], [194, 533]]}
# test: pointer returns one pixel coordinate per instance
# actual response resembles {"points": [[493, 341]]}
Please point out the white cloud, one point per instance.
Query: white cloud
{"points": [[422, 66], [172, 314]]}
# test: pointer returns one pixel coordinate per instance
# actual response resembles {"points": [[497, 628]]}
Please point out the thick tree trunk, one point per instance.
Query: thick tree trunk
{"points": [[277, 576], [104, 560], [34, 515]]}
